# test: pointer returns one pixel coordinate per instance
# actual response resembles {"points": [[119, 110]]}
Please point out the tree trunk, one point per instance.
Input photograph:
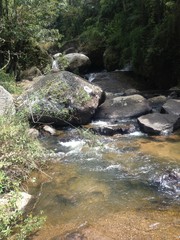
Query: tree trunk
{"points": [[1, 8]]}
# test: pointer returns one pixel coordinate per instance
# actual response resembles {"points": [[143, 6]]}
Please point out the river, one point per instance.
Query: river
{"points": [[109, 187], [102, 188]]}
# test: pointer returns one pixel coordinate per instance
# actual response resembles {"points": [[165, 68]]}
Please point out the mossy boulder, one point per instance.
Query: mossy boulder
{"points": [[61, 99]]}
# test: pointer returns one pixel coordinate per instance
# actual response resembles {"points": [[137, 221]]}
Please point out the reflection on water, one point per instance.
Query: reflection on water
{"points": [[107, 191]]}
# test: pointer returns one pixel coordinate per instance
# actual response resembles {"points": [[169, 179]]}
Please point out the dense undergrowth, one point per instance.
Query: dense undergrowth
{"points": [[19, 155]]}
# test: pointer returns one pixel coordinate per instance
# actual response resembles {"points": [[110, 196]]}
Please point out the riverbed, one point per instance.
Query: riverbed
{"points": [[101, 188]]}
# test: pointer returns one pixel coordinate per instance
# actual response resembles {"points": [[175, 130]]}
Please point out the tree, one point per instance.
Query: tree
{"points": [[23, 25]]}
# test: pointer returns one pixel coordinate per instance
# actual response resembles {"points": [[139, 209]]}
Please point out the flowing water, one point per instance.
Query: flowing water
{"points": [[102, 188]]}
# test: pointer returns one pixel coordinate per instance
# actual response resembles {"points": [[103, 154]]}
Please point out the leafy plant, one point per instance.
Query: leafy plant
{"points": [[9, 83], [13, 224], [19, 155]]}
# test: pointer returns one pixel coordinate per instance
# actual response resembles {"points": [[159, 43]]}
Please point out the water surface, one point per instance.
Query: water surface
{"points": [[107, 188]]}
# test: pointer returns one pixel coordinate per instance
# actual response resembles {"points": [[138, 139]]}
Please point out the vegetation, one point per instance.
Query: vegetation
{"points": [[144, 33], [25, 26], [8, 82], [19, 155]]}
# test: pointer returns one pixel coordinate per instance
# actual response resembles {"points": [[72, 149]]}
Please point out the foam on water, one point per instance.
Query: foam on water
{"points": [[73, 144]]}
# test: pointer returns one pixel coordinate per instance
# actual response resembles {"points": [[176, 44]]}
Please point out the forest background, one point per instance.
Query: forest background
{"points": [[142, 33]]}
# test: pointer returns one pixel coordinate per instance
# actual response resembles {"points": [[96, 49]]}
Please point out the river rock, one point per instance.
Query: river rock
{"points": [[172, 106], [131, 91], [77, 61], [157, 123], [157, 102], [61, 99], [33, 133], [112, 129], [6, 103], [169, 181], [21, 202], [123, 107]]}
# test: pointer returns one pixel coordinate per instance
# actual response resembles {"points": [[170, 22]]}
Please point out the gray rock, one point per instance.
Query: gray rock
{"points": [[123, 107], [157, 102], [21, 202], [33, 133], [113, 129], [7, 106], [172, 106], [131, 91], [61, 99], [76, 61], [157, 123]]}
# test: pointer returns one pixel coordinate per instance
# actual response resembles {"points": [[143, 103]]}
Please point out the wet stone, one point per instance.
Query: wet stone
{"points": [[70, 236]]}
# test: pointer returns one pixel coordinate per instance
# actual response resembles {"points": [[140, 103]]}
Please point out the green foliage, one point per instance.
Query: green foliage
{"points": [[19, 154], [24, 26], [92, 37], [15, 226], [8, 82], [144, 33], [28, 226]]}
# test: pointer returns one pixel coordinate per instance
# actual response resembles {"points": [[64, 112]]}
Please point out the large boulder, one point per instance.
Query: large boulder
{"points": [[123, 107], [61, 99], [77, 61], [157, 123], [6, 103]]}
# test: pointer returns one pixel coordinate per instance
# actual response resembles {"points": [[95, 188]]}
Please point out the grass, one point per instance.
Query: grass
{"points": [[19, 155], [9, 83]]}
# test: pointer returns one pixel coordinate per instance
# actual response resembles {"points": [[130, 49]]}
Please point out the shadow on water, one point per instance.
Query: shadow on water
{"points": [[109, 190]]}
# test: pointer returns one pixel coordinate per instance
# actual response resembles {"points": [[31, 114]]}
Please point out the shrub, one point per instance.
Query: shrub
{"points": [[19, 155]]}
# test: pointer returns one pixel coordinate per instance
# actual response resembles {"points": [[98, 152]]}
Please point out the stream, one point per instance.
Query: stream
{"points": [[99, 187], [104, 188]]}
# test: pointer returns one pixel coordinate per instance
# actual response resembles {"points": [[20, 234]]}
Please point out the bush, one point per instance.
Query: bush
{"points": [[19, 155], [9, 83]]}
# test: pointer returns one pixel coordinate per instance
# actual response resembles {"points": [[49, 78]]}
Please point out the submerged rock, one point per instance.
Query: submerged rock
{"points": [[70, 236], [169, 181]]}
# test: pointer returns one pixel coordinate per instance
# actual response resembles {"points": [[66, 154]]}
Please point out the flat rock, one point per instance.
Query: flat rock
{"points": [[123, 107], [157, 123], [172, 106]]}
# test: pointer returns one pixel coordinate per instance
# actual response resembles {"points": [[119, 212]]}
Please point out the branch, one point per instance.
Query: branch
{"points": [[9, 58]]}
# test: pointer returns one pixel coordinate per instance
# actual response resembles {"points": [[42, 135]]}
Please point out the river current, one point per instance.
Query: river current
{"points": [[109, 188], [102, 188]]}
